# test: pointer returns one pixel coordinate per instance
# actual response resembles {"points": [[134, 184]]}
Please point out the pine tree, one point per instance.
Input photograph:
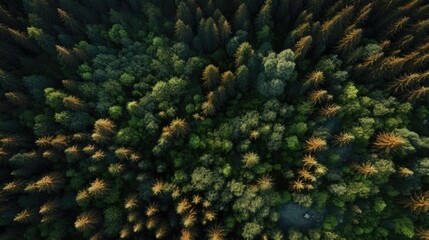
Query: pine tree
{"points": [[302, 47], [418, 92], [309, 161], [363, 15], [13, 186], [7, 18], [244, 54], [97, 187], [189, 219], [17, 98], [184, 14], [208, 108], [158, 187], [224, 32], [317, 96], [388, 142], [264, 16], [330, 110], [49, 207], [161, 231], [183, 206], [350, 40], [104, 125], [138, 227], [409, 80], [228, 81], [131, 202], [211, 77], [74, 103], [343, 139], [423, 234], [50, 182], [98, 155], [396, 27], [250, 159], [183, 32], [306, 175], [242, 19], [125, 232], [333, 27], [59, 142], [297, 185], [405, 172], [216, 232], [179, 127], [65, 55], [418, 203], [86, 220], [315, 144], [365, 168], [152, 209], [72, 151], [186, 234], [23, 216], [210, 35], [265, 182], [316, 78], [68, 19]]}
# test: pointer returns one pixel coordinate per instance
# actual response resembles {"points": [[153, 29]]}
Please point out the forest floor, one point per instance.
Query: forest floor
{"points": [[293, 215]]}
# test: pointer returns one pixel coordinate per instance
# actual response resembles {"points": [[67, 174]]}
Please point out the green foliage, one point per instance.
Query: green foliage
{"points": [[203, 119], [127, 136], [292, 143], [278, 69], [330, 222], [54, 99], [117, 33], [127, 79], [113, 220], [75, 121], [115, 112], [379, 205], [251, 230], [404, 226]]}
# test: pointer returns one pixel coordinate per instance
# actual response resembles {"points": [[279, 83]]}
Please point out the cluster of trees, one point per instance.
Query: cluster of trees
{"points": [[195, 119]]}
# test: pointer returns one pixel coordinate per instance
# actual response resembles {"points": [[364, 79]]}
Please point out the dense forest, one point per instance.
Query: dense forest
{"points": [[214, 119]]}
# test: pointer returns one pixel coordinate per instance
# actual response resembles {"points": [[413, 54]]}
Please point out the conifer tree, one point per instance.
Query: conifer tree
{"points": [[183, 32], [86, 220], [388, 142], [211, 76], [184, 14], [264, 16], [241, 18], [244, 54]]}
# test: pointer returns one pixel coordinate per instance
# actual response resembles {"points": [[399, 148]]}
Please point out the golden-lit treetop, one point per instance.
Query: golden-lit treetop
{"points": [[364, 168], [343, 138], [250, 159], [423, 234], [419, 202], [216, 232], [86, 220], [178, 127], [388, 142], [97, 187], [315, 144], [297, 185], [265, 182]]}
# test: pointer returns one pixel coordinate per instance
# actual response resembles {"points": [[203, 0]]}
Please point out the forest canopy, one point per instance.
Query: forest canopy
{"points": [[214, 119]]}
